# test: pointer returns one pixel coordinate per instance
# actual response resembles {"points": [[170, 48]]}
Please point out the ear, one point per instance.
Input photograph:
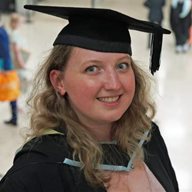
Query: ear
{"points": [[57, 82]]}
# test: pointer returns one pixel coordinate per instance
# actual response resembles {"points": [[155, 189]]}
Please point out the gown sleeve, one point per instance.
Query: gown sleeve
{"points": [[12, 185]]}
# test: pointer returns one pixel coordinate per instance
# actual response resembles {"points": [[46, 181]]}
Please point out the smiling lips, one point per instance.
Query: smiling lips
{"points": [[109, 99]]}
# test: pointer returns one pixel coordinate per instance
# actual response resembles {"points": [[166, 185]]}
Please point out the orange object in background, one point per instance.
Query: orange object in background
{"points": [[9, 85]]}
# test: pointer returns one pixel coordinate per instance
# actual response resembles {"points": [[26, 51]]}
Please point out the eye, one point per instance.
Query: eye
{"points": [[123, 66], [92, 69]]}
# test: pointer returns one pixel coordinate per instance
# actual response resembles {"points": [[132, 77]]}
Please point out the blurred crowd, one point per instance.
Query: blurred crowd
{"points": [[179, 20], [14, 55]]}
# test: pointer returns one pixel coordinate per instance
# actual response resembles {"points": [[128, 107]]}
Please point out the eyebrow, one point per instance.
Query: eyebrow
{"points": [[120, 58], [125, 57], [128, 57]]}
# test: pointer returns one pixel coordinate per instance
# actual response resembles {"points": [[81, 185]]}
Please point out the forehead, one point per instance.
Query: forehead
{"points": [[86, 53], [80, 57]]}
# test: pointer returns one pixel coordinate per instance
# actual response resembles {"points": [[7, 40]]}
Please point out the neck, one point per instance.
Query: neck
{"points": [[100, 133]]}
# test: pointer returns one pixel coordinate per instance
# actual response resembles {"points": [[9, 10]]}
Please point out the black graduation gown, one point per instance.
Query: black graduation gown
{"points": [[39, 167]]}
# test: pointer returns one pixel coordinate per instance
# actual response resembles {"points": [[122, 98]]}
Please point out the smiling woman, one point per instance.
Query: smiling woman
{"points": [[91, 112], [103, 86]]}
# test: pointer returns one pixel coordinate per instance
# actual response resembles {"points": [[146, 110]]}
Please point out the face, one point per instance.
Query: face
{"points": [[15, 22], [100, 86]]}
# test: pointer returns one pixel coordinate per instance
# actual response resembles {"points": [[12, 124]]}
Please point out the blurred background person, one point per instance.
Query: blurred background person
{"points": [[20, 55], [155, 13], [180, 22], [19, 49], [9, 82]]}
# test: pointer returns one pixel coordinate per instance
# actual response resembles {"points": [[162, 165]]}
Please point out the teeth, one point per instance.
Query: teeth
{"points": [[108, 99]]}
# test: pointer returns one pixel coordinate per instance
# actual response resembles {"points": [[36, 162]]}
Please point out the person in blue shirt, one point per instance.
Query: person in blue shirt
{"points": [[6, 65]]}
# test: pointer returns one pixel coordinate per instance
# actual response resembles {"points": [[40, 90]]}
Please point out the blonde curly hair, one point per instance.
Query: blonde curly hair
{"points": [[49, 110]]}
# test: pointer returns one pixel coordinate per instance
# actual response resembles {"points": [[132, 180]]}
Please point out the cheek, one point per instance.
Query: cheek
{"points": [[130, 90], [130, 84], [82, 93], [82, 99], [83, 87]]}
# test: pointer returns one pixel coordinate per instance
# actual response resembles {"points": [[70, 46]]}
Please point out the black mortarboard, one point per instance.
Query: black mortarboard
{"points": [[103, 30]]}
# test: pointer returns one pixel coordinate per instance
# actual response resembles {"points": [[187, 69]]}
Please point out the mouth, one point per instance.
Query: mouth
{"points": [[109, 99]]}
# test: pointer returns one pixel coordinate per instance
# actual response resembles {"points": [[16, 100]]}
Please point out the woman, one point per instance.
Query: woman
{"points": [[91, 121]]}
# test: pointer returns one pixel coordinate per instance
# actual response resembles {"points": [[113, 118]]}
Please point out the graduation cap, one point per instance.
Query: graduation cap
{"points": [[103, 30]]}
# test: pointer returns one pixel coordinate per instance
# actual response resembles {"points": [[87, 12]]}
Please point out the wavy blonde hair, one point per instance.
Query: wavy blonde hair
{"points": [[49, 110]]}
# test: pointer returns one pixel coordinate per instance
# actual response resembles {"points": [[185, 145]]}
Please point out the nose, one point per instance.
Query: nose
{"points": [[112, 80]]}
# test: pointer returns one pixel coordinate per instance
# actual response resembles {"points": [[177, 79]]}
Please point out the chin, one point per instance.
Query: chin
{"points": [[114, 118]]}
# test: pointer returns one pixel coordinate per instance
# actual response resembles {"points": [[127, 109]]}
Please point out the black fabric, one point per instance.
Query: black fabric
{"points": [[156, 51], [174, 15], [158, 161], [38, 166], [102, 30], [97, 45]]}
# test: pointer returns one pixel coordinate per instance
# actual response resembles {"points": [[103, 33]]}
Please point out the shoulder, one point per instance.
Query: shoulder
{"points": [[49, 147], [156, 145], [3, 33], [15, 37], [157, 155], [35, 163], [156, 140], [155, 131], [34, 177]]}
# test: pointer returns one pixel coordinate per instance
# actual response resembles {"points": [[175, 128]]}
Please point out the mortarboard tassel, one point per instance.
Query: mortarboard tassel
{"points": [[156, 44]]}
